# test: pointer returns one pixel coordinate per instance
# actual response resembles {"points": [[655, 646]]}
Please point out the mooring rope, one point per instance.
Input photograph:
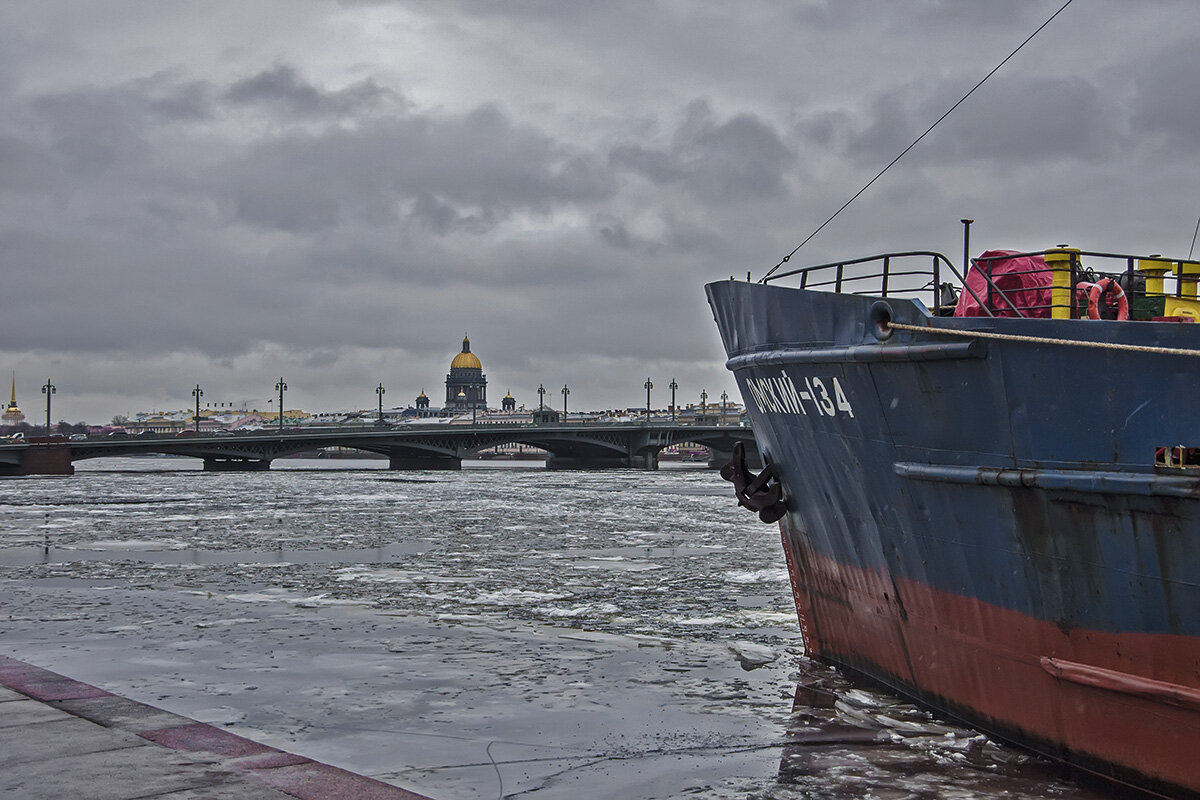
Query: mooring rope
{"points": [[1014, 337]]}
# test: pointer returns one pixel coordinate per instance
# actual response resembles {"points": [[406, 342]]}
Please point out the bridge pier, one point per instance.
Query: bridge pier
{"points": [[408, 461], [632, 461], [41, 460], [236, 465]]}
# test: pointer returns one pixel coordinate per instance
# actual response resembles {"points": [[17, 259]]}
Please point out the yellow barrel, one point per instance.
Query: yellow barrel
{"points": [[1188, 275], [1062, 292], [1154, 270]]}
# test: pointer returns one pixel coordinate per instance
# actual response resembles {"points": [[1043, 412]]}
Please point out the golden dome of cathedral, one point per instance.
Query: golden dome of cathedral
{"points": [[466, 359]]}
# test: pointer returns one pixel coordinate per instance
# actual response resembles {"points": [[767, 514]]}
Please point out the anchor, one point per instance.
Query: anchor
{"points": [[755, 492]]}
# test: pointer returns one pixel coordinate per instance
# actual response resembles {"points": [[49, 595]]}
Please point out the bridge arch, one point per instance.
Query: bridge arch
{"points": [[570, 446]]}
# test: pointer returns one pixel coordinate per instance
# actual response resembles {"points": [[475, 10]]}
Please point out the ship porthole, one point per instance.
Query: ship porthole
{"points": [[881, 316]]}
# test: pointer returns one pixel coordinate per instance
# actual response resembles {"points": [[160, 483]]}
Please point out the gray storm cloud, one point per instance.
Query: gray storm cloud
{"points": [[341, 193]]}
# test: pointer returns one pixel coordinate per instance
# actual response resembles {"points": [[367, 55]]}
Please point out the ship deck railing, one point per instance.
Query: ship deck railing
{"points": [[919, 274], [911, 273]]}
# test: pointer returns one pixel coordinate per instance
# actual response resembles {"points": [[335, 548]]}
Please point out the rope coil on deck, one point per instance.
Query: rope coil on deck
{"points": [[1014, 337]]}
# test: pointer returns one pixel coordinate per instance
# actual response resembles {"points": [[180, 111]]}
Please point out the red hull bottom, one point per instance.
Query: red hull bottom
{"points": [[1125, 706]]}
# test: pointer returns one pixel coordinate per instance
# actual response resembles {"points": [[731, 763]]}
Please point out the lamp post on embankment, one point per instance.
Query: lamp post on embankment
{"points": [[48, 390], [197, 393], [703, 401], [724, 401], [648, 387], [673, 386], [379, 390], [565, 392], [282, 387]]}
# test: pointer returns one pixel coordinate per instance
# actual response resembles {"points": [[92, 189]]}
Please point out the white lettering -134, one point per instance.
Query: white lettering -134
{"points": [[781, 395]]}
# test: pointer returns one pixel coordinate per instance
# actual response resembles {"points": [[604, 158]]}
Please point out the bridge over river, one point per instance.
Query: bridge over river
{"points": [[409, 447]]}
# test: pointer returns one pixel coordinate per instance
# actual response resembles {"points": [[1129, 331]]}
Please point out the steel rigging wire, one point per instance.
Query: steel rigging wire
{"points": [[916, 141]]}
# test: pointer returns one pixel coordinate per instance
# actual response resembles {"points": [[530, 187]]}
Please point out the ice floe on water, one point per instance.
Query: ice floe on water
{"points": [[752, 655], [770, 575], [376, 575], [220, 623], [128, 545], [255, 597], [319, 600], [581, 611], [505, 597]]}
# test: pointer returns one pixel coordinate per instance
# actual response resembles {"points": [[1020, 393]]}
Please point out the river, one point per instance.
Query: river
{"points": [[502, 631]]}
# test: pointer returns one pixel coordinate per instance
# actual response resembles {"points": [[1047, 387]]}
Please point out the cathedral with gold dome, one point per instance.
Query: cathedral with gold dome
{"points": [[466, 385]]}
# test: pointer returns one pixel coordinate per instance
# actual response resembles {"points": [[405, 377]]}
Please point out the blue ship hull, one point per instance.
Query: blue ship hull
{"points": [[980, 524]]}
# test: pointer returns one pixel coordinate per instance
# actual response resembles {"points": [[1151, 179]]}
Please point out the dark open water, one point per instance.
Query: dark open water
{"points": [[499, 632]]}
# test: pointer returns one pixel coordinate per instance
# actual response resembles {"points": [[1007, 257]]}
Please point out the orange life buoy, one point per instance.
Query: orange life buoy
{"points": [[1102, 287]]}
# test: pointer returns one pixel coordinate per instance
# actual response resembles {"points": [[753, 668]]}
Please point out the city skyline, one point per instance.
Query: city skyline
{"points": [[220, 404], [226, 193]]}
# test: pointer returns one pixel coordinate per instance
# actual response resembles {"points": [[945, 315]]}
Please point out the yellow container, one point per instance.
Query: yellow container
{"points": [[1154, 270], [1182, 307], [1062, 292], [1188, 274]]}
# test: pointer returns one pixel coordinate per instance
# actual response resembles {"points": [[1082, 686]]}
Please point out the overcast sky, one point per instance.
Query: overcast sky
{"points": [[225, 193]]}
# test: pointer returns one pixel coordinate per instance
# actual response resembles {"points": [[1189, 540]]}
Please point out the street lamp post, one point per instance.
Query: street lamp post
{"points": [[565, 392], [541, 397], [282, 387], [673, 387], [379, 390], [197, 393], [648, 386], [703, 400], [724, 400], [48, 390]]}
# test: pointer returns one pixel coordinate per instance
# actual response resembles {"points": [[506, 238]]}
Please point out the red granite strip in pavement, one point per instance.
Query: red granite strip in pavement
{"points": [[270, 761], [316, 781], [298, 776], [199, 736], [42, 684]]}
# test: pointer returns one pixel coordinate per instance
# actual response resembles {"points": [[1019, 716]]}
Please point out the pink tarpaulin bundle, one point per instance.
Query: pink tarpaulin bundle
{"points": [[1024, 280]]}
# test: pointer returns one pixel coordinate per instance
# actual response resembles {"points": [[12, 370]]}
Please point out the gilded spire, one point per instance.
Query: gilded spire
{"points": [[12, 413]]}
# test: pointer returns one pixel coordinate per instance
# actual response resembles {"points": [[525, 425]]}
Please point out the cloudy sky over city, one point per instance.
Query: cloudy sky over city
{"points": [[225, 193]]}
